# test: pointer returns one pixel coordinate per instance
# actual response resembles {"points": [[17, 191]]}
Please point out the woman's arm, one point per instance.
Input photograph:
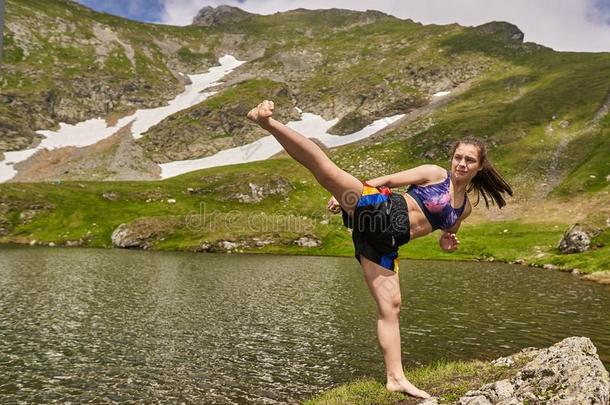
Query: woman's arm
{"points": [[418, 175]]}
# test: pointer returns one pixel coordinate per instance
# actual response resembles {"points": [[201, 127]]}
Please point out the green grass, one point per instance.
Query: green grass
{"points": [[72, 209], [446, 380]]}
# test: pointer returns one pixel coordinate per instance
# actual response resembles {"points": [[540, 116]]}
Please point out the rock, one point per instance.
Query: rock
{"points": [[569, 372], [210, 16], [550, 267], [51, 244], [474, 400], [110, 195], [256, 191], [509, 31], [171, 201], [227, 245], [601, 277], [262, 242], [575, 240], [142, 233], [503, 362], [564, 124], [27, 216], [307, 241], [33, 242]]}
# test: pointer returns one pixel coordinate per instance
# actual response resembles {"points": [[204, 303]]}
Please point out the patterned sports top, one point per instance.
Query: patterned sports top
{"points": [[435, 202]]}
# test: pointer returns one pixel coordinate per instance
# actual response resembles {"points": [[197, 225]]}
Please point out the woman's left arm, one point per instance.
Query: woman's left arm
{"points": [[448, 240]]}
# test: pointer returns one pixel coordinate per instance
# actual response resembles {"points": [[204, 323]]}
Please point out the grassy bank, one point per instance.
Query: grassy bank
{"points": [[203, 208], [446, 380]]}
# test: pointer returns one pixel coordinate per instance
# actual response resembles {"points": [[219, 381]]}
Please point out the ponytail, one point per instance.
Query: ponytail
{"points": [[487, 182]]}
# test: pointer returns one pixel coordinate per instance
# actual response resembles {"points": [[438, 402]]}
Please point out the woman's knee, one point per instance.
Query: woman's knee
{"points": [[389, 307]]}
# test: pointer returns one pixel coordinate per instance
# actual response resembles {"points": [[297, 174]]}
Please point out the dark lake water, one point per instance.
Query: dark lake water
{"points": [[104, 326]]}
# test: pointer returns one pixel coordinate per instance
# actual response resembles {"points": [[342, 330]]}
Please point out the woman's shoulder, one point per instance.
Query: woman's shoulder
{"points": [[434, 173]]}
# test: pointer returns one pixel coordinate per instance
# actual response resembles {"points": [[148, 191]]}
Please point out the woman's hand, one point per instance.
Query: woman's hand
{"points": [[449, 242], [262, 113], [333, 205]]}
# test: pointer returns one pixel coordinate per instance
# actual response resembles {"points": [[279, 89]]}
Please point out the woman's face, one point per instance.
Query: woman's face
{"points": [[465, 162]]}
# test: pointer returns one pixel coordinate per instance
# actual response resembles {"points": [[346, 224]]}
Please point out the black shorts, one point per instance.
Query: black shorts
{"points": [[380, 225]]}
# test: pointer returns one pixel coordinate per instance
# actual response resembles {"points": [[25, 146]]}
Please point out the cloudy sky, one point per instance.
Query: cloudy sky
{"points": [[566, 25]]}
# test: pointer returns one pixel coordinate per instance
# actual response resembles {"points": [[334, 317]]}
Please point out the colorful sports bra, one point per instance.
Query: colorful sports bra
{"points": [[435, 202]]}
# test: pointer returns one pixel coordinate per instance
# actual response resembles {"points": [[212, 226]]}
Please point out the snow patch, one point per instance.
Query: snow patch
{"points": [[310, 125], [94, 130]]}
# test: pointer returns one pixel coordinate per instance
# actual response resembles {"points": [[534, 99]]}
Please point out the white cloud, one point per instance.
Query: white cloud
{"points": [[566, 25]]}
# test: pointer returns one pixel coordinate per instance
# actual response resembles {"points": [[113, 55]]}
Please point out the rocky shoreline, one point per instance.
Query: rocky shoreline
{"points": [[569, 372]]}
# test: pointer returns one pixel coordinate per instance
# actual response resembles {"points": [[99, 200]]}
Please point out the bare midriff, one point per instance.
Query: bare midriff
{"points": [[418, 224]]}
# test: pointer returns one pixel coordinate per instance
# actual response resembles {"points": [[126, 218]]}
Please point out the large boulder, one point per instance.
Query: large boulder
{"points": [[575, 240], [569, 372], [143, 233]]}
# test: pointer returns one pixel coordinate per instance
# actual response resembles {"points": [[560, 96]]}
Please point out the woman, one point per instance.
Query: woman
{"points": [[382, 220]]}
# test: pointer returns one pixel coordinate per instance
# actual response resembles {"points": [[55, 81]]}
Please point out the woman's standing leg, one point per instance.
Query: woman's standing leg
{"points": [[343, 186], [385, 288]]}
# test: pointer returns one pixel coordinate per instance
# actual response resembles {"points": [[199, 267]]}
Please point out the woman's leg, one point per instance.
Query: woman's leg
{"points": [[343, 186], [385, 287]]}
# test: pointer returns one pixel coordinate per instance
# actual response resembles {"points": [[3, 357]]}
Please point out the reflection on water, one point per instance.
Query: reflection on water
{"points": [[92, 326]]}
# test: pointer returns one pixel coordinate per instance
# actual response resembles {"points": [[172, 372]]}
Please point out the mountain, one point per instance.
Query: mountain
{"points": [[544, 113]]}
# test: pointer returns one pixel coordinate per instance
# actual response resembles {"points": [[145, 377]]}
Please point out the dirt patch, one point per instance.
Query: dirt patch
{"points": [[117, 157], [113, 118]]}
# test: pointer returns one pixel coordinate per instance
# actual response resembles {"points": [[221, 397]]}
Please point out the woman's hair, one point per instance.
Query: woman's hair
{"points": [[487, 182]]}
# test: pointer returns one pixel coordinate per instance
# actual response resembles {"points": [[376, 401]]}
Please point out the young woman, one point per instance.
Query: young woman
{"points": [[383, 220]]}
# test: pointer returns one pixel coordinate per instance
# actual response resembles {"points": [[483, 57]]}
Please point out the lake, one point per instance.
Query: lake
{"points": [[101, 326]]}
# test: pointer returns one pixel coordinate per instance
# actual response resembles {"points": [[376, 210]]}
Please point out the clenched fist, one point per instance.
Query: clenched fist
{"points": [[333, 205]]}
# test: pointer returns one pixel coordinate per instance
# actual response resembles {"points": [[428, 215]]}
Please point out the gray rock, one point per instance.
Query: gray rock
{"points": [[143, 232], [308, 241], [569, 372], [252, 192], [575, 240], [110, 195], [507, 30], [210, 16], [121, 237], [227, 245], [474, 400]]}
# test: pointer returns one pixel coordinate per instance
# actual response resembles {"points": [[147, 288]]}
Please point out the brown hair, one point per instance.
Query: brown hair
{"points": [[487, 182]]}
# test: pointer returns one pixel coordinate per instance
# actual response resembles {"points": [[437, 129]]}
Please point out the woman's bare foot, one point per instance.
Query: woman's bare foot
{"points": [[403, 385]]}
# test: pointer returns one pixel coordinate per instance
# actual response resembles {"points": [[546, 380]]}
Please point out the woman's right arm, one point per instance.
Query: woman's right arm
{"points": [[418, 175]]}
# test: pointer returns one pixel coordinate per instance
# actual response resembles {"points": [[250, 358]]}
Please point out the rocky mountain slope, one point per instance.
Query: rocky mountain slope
{"points": [[356, 66]]}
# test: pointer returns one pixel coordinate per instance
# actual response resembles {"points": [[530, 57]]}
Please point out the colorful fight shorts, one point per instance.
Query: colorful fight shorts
{"points": [[380, 225]]}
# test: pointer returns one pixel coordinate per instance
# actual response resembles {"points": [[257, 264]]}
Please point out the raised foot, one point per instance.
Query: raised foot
{"points": [[407, 388]]}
